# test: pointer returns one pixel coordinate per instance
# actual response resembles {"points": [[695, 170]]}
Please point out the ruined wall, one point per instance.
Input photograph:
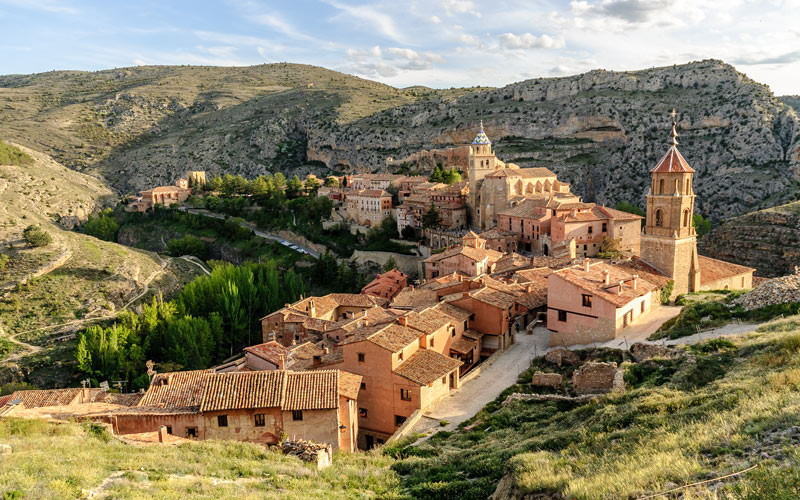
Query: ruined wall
{"points": [[241, 426], [594, 378]]}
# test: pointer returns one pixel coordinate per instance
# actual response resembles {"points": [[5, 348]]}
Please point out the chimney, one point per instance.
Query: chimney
{"points": [[325, 350], [635, 280], [316, 360], [162, 433], [401, 321], [281, 361], [606, 279], [312, 308], [586, 265], [619, 287]]}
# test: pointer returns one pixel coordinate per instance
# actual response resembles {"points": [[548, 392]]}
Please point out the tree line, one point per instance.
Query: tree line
{"points": [[211, 319]]}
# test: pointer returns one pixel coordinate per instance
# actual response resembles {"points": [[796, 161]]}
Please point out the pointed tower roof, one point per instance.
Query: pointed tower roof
{"points": [[673, 160], [481, 137]]}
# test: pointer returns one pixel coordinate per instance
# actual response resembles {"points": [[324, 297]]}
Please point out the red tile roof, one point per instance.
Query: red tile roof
{"points": [[270, 351], [672, 161], [712, 270], [49, 397], [593, 281], [391, 337], [176, 389], [425, 366], [386, 285]]}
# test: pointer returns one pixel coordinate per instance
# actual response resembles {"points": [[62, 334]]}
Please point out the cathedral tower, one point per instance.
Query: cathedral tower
{"points": [[669, 241], [482, 161]]}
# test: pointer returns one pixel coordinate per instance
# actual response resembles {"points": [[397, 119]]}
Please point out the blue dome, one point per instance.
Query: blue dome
{"points": [[481, 137]]}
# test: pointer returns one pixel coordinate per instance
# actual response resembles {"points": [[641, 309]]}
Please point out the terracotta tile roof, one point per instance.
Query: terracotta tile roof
{"points": [[414, 298], [349, 384], [427, 321], [426, 366], [637, 266], [155, 410], [593, 281], [316, 390], [392, 337], [176, 389], [476, 254], [526, 173], [269, 351], [463, 345], [165, 189], [46, 397], [473, 334], [5, 399], [509, 262], [712, 270], [525, 275], [493, 297], [241, 390], [672, 161], [131, 399], [386, 284], [453, 312]]}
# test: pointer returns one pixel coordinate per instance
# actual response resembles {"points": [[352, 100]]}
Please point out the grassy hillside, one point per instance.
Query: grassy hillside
{"points": [[68, 461], [726, 408], [723, 408], [10, 155], [793, 101]]}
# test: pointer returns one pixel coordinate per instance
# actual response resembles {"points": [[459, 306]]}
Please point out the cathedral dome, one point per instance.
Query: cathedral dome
{"points": [[481, 137]]}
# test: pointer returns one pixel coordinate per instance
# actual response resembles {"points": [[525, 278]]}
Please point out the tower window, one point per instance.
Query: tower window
{"points": [[659, 216], [661, 186], [686, 218]]}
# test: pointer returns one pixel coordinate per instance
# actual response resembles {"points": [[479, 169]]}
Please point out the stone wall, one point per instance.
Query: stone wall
{"points": [[409, 264], [547, 379], [595, 377]]}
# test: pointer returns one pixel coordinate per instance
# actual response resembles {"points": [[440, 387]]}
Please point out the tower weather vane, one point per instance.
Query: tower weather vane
{"points": [[674, 129]]}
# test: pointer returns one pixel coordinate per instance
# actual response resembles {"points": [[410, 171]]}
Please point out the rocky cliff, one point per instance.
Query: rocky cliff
{"points": [[768, 240], [601, 130]]}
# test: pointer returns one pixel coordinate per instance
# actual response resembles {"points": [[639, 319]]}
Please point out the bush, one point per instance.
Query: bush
{"points": [[102, 226], [667, 291], [4, 260], [9, 155], [35, 236], [188, 245]]}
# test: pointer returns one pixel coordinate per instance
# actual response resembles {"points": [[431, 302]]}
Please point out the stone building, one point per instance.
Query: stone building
{"points": [[669, 240], [368, 207], [164, 195], [471, 258], [257, 406]]}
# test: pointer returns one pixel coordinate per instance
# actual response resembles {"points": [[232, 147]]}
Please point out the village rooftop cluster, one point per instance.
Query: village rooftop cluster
{"points": [[517, 251]]}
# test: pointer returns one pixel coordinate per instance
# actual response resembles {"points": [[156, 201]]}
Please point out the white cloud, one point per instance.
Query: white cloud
{"points": [[280, 25], [54, 6], [529, 41], [453, 7], [434, 19], [369, 17]]}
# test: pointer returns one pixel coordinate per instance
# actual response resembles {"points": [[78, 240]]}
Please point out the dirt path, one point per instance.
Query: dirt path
{"points": [[197, 262]]}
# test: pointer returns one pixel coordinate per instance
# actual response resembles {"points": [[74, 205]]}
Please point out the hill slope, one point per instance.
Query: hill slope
{"points": [[601, 130], [136, 126], [53, 289], [768, 240]]}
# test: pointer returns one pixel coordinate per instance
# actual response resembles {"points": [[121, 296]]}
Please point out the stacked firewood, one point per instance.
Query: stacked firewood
{"points": [[307, 451]]}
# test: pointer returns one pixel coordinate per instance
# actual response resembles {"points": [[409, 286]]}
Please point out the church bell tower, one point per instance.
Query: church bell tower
{"points": [[482, 161], [669, 241]]}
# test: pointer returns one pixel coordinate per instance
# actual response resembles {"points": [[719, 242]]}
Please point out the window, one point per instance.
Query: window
{"points": [[191, 432], [398, 420], [642, 307], [659, 218], [562, 315], [444, 380], [363, 386], [584, 248], [432, 340], [605, 227], [661, 186], [405, 394], [685, 218], [169, 429], [361, 357], [222, 421], [259, 420], [591, 229], [297, 414], [400, 356], [587, 300], [362, 412]]}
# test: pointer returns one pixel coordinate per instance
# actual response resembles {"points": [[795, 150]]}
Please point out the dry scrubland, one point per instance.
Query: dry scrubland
{"points": [[736, 405]]}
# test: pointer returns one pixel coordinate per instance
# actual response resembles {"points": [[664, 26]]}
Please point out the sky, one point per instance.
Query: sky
{"points": [[437, 43]]}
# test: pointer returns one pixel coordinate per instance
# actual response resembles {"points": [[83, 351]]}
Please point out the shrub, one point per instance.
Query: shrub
{"points": [[35, 236], [188, 245], [9, 155], [667, 291], [102, 226], [4, 260]]}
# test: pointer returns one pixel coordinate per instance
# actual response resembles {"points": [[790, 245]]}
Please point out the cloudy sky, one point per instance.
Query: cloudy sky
{"points": [[439, 43]]}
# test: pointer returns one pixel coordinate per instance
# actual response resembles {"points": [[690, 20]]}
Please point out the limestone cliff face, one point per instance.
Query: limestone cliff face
{"points": [[603, 130], [768, 240]]}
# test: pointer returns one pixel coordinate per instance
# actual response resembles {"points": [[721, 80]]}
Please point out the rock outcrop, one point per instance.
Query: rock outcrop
{"points": [[768, 240], [783, 290]]}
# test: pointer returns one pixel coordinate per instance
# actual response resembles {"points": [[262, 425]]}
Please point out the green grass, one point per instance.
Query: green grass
{"points": [[64, 461], [679, 422], [10, 155]]}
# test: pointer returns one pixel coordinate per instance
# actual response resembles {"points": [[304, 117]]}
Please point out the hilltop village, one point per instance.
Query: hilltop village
{"points": [[511, 251]]}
